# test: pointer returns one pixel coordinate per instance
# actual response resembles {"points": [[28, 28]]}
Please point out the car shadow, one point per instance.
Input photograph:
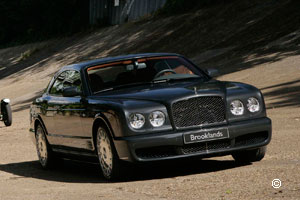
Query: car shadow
{"points": [[78, 172], [177, 168]]}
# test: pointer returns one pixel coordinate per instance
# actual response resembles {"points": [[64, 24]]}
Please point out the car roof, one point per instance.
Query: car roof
{"points": [[79, 66]]}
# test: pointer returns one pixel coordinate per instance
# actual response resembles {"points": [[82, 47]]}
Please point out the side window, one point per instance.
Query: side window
{"points": [[64, 80]]}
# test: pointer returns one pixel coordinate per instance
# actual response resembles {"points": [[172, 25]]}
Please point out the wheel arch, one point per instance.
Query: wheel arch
{"points": [[101, 120], [39, 120]]}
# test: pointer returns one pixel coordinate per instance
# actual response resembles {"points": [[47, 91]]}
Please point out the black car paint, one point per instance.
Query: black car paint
{"points": [[70, 122]]}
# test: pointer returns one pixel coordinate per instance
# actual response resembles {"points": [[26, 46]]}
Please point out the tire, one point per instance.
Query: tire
{"points": [[7, 115], [109, 161], [44, 152], [250, 155]]}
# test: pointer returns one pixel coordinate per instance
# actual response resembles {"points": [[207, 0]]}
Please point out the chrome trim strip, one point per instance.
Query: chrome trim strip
{"points": [[69, 136]]}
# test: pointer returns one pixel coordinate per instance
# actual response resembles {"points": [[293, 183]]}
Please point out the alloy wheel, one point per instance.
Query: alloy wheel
{"points": [[105, 153], [41, 146]]}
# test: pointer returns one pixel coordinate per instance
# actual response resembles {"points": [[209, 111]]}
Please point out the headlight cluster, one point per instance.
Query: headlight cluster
{"points": [[237, 106], [156, 119]]}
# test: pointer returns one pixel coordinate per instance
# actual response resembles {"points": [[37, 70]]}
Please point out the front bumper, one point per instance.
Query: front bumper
{"points": [[170, 145]]}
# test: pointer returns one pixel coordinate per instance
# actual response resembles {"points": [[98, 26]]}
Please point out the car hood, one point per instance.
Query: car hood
{"points": [[169, 91]]}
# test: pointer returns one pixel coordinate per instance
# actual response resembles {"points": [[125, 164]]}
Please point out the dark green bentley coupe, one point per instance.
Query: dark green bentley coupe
{"points": [[146, 107]]}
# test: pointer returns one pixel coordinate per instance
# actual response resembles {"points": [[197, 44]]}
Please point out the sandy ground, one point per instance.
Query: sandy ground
{"points": [[21, 177]]}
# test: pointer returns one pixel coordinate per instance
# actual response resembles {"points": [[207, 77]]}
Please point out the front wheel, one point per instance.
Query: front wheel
{"points": [[43, 149], [108, 158], [250, 155], [7, 115]]}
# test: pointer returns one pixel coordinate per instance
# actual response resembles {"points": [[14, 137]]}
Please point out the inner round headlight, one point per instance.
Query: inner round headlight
{"points": [[237, 107], [136, 120], [157, 118], [253, 104]]}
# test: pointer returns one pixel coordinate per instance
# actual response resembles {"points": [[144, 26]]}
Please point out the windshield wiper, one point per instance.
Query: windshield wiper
{"points": [[178, 79]]}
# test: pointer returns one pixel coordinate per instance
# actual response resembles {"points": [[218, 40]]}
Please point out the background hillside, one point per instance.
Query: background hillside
{"points": [[230, 36]]}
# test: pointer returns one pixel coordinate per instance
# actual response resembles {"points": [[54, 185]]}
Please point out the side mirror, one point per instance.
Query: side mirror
{"points": [[71, 92], [5, 112], [212, 72]]}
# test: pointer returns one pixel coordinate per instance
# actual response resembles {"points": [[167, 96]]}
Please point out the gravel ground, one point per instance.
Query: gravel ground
{"points": [[21, 177]]}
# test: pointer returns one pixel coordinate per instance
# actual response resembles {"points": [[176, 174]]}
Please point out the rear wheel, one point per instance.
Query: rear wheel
{"points": [[7, 115], [43, 149], [250, 155], [108, 158]]}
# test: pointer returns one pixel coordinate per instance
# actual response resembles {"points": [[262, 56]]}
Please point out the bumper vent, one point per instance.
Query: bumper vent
{"points": [[205, 146], [251, 139], [198, 111], [169, 151], [201, 147], [156, 152]]}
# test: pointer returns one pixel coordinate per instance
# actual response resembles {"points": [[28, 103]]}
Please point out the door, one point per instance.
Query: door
{"points": [[67, 112]]}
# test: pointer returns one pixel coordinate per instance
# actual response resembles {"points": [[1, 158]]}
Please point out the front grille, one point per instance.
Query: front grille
{"points": [[205, 146], [198, 111], [251, 139]]}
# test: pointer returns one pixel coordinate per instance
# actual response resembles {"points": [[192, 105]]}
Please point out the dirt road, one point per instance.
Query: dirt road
{"points": [[218, 178]]}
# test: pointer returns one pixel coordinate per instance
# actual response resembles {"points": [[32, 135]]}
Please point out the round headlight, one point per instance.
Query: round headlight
{"points": [[253, 104], [237, 107], [157, 118], [136, 120]]}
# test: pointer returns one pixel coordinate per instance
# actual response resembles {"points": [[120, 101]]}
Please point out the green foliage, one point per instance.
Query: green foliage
{"points": [[228, 191], [28, 53], [32, 20]]}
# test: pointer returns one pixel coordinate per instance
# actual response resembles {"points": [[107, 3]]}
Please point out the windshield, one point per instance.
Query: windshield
{"points": [[145, 70]]}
